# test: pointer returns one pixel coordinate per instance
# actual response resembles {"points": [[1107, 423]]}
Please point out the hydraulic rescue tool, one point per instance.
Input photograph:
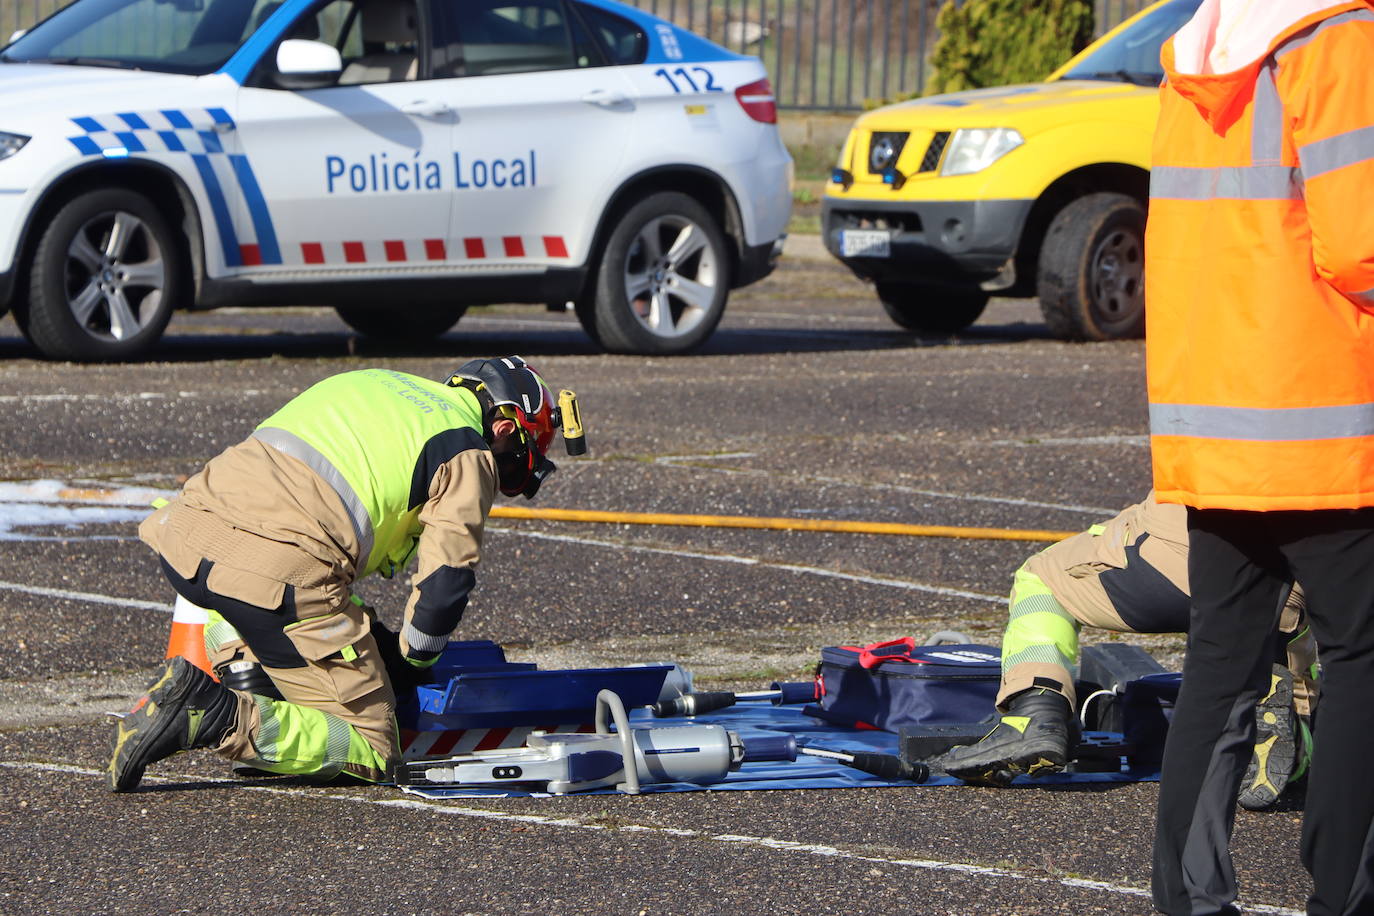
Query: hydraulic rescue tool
{"points": [[629, 758]]}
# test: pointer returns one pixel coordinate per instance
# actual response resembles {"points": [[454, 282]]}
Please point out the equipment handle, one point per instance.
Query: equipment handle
{"points": [[794, 692], [694, 704], [871, 656], [610, 700], [886, 766], [770, 747]]}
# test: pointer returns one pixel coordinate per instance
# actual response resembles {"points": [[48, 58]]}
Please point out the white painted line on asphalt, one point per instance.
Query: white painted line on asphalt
{"points": [[125, 398], [757, 842], [62, 593], [673, 461], [762, 564]]}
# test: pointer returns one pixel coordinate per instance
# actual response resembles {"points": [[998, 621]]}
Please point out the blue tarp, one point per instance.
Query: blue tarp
{"points": [[756, 718]]}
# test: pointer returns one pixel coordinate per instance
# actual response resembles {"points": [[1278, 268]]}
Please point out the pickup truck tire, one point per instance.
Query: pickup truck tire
{"points": [[663, 279], [105, 276], [1092, 269], [932, 309], [412, 323]]}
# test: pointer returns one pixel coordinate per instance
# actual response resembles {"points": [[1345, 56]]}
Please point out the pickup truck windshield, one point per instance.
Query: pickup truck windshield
{"points": [[1133, 56], [170, 36]]}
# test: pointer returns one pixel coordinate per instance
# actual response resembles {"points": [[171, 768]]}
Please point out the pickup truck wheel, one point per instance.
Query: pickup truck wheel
{"points": [[417, 322], [1092, 269], [663, 278], [938, 310], [105, 276]]}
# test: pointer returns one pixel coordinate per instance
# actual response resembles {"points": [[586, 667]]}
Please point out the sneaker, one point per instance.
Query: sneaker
{"points": [[184, 708], [1274, 760], [1034, 738]]}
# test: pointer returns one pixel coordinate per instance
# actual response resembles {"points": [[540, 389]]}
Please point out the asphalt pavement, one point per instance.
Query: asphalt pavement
{"points": [[807, 402]]}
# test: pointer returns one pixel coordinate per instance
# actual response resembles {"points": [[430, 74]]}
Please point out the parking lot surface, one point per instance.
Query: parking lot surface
{"points": [[806, 403]]}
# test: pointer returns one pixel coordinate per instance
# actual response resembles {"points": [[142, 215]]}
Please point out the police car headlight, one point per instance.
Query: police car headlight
{"points": [[974, 149], [11, 144]]}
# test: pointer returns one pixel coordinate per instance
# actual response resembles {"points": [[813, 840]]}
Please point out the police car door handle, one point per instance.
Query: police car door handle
{"points": [[427, 108], [606, 98]]}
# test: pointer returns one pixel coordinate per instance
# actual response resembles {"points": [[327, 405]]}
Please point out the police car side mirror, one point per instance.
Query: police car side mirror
{"points": [[303, 64], [18, 34]]}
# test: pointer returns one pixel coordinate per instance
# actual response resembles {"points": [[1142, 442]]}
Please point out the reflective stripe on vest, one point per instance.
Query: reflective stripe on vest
{"points": [[289, 443], [1262, 424]]}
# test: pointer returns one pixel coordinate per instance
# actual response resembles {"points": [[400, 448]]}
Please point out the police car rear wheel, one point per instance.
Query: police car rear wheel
{"points": [[417, 322], [104, 278], [664, 277], [931, 309]]}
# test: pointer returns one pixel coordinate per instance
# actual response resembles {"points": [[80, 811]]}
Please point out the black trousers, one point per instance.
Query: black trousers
{"points": [[1239, 565]]}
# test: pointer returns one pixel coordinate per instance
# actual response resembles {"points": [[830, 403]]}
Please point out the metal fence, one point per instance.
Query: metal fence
{"points": [[822, 55]]}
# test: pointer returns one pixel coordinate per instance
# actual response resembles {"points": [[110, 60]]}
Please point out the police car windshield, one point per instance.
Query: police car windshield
{"points": [[170, 36], [1133, 56]]}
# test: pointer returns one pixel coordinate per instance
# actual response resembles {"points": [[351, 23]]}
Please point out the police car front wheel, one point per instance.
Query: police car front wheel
{"points": [[105, 276], [664, 278]]}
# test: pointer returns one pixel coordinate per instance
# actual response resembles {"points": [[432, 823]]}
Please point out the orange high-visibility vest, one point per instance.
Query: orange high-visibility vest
{"points": [[1260, 275]]}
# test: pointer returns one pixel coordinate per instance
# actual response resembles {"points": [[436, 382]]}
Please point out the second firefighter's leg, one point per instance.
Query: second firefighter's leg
{"points": [[1039, 655]]}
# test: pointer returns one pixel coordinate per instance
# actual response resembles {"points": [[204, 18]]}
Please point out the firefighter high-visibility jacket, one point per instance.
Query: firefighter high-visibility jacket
{"points": [[1260, 260], [353, 476]]}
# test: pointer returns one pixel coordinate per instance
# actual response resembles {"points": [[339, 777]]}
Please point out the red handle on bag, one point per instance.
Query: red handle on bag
{"points": [[899, 650]]}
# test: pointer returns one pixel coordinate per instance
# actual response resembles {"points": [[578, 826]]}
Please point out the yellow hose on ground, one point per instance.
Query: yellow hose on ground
{"points": [[777, 524]]}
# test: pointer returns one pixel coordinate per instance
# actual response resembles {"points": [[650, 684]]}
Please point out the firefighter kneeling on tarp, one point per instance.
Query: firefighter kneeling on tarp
{"points": [[352, 477]]}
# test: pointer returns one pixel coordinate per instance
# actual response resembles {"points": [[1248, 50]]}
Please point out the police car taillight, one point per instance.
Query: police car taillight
{"points": [[757, 100]]}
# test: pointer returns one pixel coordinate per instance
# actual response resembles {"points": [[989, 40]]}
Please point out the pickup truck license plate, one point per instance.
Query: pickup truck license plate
{"points": [[865, 243]]}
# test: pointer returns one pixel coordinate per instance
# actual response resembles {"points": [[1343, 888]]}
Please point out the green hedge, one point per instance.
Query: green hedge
{"points": [[997, 42]]}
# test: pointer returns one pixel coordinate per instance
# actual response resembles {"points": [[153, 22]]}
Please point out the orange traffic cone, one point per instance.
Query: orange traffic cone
{"points": [[188, 634]]}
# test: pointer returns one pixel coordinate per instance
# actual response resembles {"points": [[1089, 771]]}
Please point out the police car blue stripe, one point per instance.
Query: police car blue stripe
{"points": [[260, 42], [88, 124], [85, 145], [211, 141], [228, 240], [220, 116], [257, 210], [130, 141], [176, 118], [172, 141], [133, 120]]}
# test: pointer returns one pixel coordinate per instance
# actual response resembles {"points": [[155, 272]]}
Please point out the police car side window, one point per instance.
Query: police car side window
{"points": [[489, 37], [625, 42]]}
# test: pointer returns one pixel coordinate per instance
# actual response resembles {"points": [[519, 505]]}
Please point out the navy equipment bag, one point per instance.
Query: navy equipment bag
{"points": [[894, 684]]}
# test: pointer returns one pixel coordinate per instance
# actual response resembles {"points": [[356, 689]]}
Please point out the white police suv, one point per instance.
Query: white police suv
{"points": [[396, 159]]}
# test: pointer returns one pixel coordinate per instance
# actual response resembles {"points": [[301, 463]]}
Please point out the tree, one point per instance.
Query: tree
{"points": [[996, 42]]}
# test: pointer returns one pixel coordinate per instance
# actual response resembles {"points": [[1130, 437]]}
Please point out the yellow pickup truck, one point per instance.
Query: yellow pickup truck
{"points": [[1034, 190]]}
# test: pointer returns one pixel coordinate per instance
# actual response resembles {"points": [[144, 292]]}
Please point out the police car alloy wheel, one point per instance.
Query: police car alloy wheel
{"points": [[663, 279], [106, 275]]}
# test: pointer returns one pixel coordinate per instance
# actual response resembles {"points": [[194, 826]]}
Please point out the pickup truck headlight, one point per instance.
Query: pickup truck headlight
{"points": [[11, 144], [973, 149]]}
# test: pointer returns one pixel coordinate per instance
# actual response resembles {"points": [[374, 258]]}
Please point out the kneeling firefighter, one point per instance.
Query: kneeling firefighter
{"points": [[354, 476]]}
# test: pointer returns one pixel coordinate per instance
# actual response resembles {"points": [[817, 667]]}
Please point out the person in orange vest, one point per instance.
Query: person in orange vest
{"points": [[1260, 362]]}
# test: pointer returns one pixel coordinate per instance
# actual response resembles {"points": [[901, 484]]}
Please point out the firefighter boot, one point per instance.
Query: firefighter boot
{"points": [[1034, 737], [183, 709], [1277, 742]]}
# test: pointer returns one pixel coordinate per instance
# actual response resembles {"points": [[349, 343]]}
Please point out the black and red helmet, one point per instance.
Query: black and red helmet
{"points": [[508, 387]]}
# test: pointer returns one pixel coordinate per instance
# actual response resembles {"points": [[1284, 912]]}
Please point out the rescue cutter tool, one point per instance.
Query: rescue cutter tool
{"points": [[629, 758]]}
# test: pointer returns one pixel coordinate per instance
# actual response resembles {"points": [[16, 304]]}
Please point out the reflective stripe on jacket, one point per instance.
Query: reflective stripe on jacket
{"points": [[1260, 274]]}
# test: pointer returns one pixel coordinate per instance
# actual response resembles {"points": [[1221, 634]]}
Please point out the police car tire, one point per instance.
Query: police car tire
{"points": [[1092, 270], [617, 325], [46, 317], [417, 322], [930, 309]]}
